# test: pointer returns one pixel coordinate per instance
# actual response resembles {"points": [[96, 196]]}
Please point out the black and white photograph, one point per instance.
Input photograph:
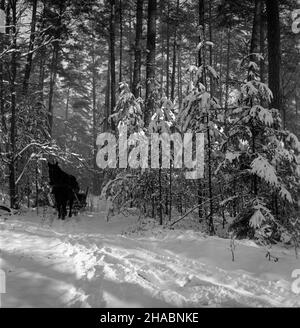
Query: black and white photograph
{"points": [[149, 156]]}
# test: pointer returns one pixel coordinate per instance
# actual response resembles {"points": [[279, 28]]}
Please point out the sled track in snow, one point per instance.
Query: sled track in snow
{"points": [[179, 281], [104, 263]]}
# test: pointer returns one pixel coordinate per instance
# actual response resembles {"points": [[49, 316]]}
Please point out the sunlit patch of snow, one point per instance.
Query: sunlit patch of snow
{"points": [[89, 262]]}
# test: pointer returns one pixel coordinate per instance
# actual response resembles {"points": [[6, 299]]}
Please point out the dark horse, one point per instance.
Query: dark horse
{"points": [[64, 188]]}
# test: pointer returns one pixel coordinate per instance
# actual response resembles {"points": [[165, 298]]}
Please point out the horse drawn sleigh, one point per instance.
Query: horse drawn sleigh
{"points": [[66, 192]]}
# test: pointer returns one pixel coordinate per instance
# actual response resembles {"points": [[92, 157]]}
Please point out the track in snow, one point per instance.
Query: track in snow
{"points": [[48, 267]]}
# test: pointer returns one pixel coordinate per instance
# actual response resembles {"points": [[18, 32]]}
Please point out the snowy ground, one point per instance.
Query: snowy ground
{"points": [[88, 262]]}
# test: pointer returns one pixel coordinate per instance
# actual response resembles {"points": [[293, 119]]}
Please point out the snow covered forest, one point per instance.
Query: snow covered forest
{"points": [[147, 236]]}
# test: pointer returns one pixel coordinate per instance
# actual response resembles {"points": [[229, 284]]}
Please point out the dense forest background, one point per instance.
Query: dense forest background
{"points": [[70, 70]]}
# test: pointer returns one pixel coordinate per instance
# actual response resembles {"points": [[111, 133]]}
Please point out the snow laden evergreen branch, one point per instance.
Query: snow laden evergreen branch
{"points": [[256, 89], [245, 60], [163, 118], [267, 154], [263, 169], [128, 111]]}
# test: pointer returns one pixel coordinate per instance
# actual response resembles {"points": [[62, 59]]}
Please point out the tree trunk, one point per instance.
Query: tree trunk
{"points": [[42, 75], [255, 39], [137, 49], [210, 191], [12, 182], [201, 23], [160, 197], [200, 56], [262, 43], [221, 71], [54, 66], [274, 54], [42, 56], [94, 98], [227, 73], [8, 18], [162, 46], [37, 188], [168, 53], [107, 99], [67, 106], [170, 192], [173, 76], [297, 104], [53, 74], [2, 113], [179, 75], [67, 116], [130, 52], [112, 59], [211, 51], [254, 48], [121, 39], [150, 65], [30, 48]]}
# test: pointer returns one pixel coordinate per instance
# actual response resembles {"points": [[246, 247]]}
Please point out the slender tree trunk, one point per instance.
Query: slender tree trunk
{"points": [[160, 197], [53, 74], [210, 192], [12, 182], [8, 18], [2, 113], [30, 48], [170, 192], [42, 56], [66, 116], [37, 188], [112, 59], [173, 76], [28, 193], [262, 43], [274, 54], [201, 22], [162, 45], [221, 71], [255, 39], [107, 98], [42, 75], [166, 204], [137, 49], [168, 52], [67, 106], [254, 48], [179, 75], [212, 89], [54, 66], [297, 104], [200, 61], [227, 71], [28, 68], [150, 65], [227, 76], [94, 97], [121, 39], [3, 37], [130, 52], [274, 67]]}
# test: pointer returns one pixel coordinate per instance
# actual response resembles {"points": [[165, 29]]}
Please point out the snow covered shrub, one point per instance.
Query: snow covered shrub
{"points": [[241, 224], [262, 158], [143, 188]]}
